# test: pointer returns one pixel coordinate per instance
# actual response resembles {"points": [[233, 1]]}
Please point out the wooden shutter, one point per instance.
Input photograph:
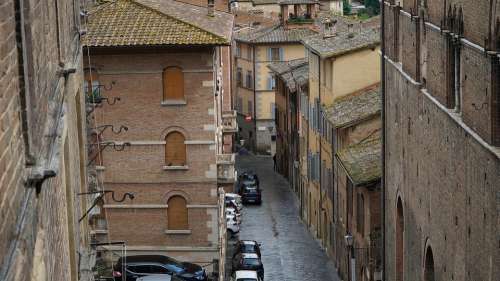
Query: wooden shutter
{"points": [[175, 149], [177, 213], [173, 84]]}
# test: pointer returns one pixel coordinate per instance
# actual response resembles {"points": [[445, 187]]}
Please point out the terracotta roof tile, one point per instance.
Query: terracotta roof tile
{"points": [[293, 73], [139, 23], [274, 34], [362, 161]]}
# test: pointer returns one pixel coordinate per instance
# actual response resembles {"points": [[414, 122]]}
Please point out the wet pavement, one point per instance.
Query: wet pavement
{"points": [[289, 252]]}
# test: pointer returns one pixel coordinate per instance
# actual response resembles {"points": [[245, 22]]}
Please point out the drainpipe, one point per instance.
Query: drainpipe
{"points": [[254, 101], [383, 115], [320, 213]]}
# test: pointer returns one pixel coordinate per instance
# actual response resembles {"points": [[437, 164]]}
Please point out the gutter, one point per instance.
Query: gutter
{"points": [[383, 115]]}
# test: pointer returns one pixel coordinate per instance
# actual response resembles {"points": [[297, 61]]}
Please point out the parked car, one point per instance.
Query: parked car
{"points": [[130, 268], [251, 194], [236, 219], [233, 211], [245, 275], [244, 261], [247, 179], [233, 196], [160, 277], [233, 204], [232, 227], [247, 247]]}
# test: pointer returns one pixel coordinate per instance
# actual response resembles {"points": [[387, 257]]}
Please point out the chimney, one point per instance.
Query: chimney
{"points": [[211, 8]]}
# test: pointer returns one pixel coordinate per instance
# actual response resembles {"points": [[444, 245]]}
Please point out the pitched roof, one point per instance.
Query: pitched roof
{"points": [[273, 34], [362, 161], [156, 22], [355, 107], [294, 73], [343, 42]]}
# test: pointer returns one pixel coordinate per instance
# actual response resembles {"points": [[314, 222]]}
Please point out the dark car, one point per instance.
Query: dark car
{"points": [[132, 267], [247, 178], [251, 194], [244, 261], [247, 247]]}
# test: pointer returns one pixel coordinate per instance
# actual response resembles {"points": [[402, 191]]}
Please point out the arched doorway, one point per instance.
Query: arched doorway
{"points": [[400, 226], [429, 265]]}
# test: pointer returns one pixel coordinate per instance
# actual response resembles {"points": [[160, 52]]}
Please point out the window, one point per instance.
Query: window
{"points": [[249, 80], [175, 149], [239, 105], [239, 77], [275, 54], [273, 110], [177, 213], [271, 81], [173, 83], [360, 214], [238, 50], [250, 108]]}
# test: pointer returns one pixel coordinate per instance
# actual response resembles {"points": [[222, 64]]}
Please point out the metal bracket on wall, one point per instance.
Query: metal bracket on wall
{"points": [[37, 177], [100, 198], [104, 145]]}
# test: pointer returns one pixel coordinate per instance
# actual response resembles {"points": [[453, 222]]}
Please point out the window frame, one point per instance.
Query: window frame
{"points": [[185, 225], [184, 148], [169, 98]]}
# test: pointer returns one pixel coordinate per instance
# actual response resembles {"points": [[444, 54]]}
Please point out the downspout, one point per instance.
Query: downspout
{"points": [[254, 100], [383, 115], [320, 148], [23, 81]]}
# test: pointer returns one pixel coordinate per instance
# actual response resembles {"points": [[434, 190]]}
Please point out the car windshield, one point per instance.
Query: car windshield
{"points": [[249, 182], [247, 248], [251, 262], [174, 265], [250, 190]]}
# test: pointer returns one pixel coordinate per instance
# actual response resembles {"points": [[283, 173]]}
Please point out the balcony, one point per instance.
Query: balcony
{"points": [[229, 124], [225, 168]]}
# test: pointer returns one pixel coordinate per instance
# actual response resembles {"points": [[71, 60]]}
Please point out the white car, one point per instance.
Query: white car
{"points": [[232, 226], [232, 211], [235, 199], [236, 219], [245, 275]]}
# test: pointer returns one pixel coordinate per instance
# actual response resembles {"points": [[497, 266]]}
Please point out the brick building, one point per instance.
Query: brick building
{"points": [[42, 143], [442, 129], [169, 63]]}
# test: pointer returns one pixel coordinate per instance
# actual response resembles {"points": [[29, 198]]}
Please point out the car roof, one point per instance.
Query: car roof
{"points": [[145, 258], [156, 277], [246, 274], [250, 256]]}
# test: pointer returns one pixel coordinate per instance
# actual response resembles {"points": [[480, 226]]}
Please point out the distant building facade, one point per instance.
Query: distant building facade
{"points": [[43, 165], [256, 48], [175, 99], [442, 140]]}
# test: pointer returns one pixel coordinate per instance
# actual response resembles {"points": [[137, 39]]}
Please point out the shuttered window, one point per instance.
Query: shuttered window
{"points": [[175, 149], [177, 213], [173, 84]]}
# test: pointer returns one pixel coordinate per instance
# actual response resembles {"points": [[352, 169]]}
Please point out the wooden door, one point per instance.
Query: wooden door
{"points": [[173, 84]]}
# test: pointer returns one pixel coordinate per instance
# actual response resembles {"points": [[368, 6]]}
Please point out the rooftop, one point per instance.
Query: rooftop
{"points": [[297, 2], [273, 34], [362, 161], [156, 22], [347, 37], [294, 73], [355, 107]]}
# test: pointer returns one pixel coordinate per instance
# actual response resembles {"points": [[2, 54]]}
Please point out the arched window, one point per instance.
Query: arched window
{"points": [[177, 213], [175, 149], [429, 266], [399, 241], [173, 83]]}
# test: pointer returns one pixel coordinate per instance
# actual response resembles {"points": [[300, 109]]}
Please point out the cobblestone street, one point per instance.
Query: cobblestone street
{"points": [[289, 252]]}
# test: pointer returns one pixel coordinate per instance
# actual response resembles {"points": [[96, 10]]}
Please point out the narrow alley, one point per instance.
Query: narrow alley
{"points": [[289, 252]]}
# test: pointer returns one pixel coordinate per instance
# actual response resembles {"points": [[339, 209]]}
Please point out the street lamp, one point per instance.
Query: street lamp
{"points": [[349, 241]]}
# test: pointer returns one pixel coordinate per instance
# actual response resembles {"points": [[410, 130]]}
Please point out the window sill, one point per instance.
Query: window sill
{"points": [[180, 231], [173, 102], [175, 168]]}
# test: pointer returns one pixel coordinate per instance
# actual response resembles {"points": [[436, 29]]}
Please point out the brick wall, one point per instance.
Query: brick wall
{"points": [[41, 116], [136, 77]]}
